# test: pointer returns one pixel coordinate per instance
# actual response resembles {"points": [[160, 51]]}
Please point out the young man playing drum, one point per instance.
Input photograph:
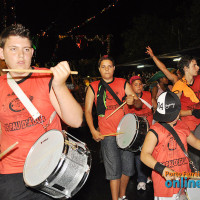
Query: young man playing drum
{"points": [[118, 163], [47, 94], [146, 113], [160, 150]]}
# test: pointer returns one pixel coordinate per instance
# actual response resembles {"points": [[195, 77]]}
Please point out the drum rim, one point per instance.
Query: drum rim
{"points": [[31, 150], [118, 130], [136, 133]]}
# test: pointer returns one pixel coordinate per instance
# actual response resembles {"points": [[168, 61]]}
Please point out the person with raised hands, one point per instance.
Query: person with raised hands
{"points": [[171, 76]]}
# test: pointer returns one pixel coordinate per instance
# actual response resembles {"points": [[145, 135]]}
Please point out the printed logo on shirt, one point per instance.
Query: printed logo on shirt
{"points": [[176, 162], [18, 125], [16, 106]]}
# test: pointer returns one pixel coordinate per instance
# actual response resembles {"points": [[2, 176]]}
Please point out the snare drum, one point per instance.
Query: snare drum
{"points": [[134, 130], [189, 193], [57, 169]]}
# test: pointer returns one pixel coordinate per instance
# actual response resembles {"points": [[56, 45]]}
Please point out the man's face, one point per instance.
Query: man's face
{"points": [[17, 53], [107, 69], [193, 68], [137, 86]]}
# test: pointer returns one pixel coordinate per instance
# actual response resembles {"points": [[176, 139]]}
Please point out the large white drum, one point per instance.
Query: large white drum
{"points": [[57, 166], [134, 130]]}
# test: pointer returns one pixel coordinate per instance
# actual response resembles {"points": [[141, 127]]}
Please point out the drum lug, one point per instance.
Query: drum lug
{"points": [[46, 183]]}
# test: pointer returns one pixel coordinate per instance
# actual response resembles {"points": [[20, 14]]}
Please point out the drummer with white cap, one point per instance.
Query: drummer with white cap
{"points": [[160, 150]]}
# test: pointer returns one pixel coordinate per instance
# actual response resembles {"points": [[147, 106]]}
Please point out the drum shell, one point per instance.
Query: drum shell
{"points": [[70, 173], [138, 132]]}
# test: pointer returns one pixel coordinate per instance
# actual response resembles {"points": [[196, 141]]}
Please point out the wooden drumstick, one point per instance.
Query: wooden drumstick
{"points": [[33, 71], [8, 149], [116, 110], [113, 134]]}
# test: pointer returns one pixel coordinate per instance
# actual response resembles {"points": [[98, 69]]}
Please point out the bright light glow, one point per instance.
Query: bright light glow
{"points": [[140, 66], [176, 59]]}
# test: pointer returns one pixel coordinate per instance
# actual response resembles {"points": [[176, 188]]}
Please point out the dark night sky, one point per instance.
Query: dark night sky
{"points": [[62, 15]]}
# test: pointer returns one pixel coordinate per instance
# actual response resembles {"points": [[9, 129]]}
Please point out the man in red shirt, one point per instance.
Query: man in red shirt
{"points": [[118, 163], [188, 90], [48, 94]]}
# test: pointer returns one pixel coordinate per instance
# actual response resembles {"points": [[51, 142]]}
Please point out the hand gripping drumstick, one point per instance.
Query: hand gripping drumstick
{"points": [[8, 149], [116, 110], [33, 71]]}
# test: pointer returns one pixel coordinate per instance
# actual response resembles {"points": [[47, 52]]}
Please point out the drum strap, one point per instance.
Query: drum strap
{"points": [[22, 97], [111, 92], [146, 103], [25, 100], [179, 142]]}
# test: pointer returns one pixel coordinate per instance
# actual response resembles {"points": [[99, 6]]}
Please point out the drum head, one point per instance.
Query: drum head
{"points": [[43, 157], [127, 126], [193, 192]]}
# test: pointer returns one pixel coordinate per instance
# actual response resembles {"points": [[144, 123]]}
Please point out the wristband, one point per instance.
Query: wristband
{"points": [[159, 168]]}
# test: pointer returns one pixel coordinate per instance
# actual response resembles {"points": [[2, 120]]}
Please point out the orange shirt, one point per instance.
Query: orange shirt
{"points": [[16, 122], [108, 126], [187, 104], [168, 152]]}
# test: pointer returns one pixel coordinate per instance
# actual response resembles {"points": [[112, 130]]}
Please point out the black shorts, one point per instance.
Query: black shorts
{"points": [[12, 187]]}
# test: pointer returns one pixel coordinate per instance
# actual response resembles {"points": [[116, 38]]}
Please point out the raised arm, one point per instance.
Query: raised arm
{"points": [[161, 66], [61, 98]]}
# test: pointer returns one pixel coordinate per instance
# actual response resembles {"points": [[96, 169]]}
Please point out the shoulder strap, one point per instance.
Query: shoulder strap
{"points": [[22, 97], [146, 103], [111, 92], [176, 137]]}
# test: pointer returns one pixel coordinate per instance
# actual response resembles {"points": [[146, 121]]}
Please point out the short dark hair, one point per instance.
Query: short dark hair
{"points": [[185, 62], [14, 30], [106, 57]]}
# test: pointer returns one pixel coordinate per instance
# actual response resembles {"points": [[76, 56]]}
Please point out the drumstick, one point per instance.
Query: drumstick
{"points": [[33, 71], [192, 177], [113, 134], [116, 109], [8, 149]]}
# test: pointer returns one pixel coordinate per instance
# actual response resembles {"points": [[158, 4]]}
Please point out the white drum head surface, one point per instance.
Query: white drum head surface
{"points": [[193, 192], [43, 157], [128, 127]]}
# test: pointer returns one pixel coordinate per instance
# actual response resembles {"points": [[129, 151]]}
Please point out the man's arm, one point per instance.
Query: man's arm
{"points": [[61, 98], [147, 158], [161, 66], [89, 100]]}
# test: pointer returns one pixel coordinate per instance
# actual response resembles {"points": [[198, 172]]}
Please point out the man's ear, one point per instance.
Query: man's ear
{"points": [[185, 69], [32, 51], [1, 54]]}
